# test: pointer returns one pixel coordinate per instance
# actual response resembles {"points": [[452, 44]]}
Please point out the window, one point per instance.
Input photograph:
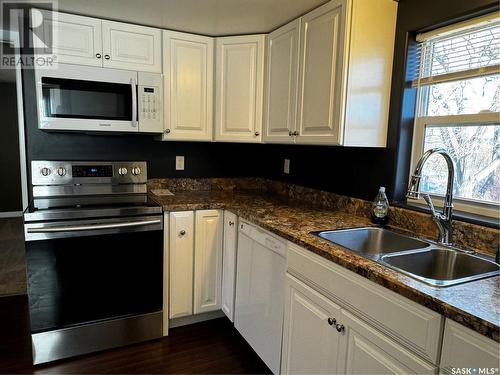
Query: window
{"points": [[458, 109]]}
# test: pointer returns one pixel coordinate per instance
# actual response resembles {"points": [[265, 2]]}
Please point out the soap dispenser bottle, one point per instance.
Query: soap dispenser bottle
{"points": [[380, 208]]}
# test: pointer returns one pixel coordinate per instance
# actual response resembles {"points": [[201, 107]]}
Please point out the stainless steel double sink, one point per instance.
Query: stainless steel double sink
{"points": [[420, 259]]}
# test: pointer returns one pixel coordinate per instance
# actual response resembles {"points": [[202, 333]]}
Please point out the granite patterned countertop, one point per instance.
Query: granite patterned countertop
{"points": [[475, 305]]}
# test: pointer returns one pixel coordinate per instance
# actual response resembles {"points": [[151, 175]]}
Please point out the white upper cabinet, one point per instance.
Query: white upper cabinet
{"points": [[131, 47], [188, 72], [344, 81], [91, 41], [76, 39], [280, 102], [320, 74], [369, 72], [239, 88]]}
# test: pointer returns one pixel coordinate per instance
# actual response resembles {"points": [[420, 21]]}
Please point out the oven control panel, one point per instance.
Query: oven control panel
{"points": [[45, 172]]}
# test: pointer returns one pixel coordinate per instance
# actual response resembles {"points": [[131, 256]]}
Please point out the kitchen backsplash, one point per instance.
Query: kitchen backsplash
{"points": [[465, 234]]}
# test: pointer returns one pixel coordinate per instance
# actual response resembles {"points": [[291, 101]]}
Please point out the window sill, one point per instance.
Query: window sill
{"points": [[467, 217]]}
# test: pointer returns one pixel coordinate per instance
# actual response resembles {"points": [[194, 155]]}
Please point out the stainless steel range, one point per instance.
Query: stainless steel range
{"points": [[94, 252]]}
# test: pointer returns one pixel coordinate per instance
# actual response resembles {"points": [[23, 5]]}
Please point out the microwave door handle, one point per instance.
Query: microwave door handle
{"points": [[133, 85], [78, 228]]}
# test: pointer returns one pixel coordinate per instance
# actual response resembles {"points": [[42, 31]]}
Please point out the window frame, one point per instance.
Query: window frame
{"points": [[466, 205], [422, 120]]}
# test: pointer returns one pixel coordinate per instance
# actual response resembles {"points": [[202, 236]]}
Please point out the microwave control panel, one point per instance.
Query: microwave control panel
{"points": [[150, 102]]}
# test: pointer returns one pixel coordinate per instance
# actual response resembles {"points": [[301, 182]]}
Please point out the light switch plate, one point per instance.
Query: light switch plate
{"points": [[179, 163], [286, 167]]}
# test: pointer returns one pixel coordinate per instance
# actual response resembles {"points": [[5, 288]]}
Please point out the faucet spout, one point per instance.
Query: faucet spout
{"points": [[443, 220]]}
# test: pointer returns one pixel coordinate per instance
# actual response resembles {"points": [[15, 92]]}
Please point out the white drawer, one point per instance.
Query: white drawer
{"points": [[407, 322]]}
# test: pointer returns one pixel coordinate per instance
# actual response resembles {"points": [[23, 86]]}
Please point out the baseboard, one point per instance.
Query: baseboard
{"points": [[186, 320], [9, 214]]}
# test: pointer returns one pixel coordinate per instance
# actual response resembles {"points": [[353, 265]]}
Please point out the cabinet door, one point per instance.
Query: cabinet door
{"points": [[239, 86], [229, 263], [76, 39], [365, 350], [464, 348], [208, 261], [131, 47], [280, 103], [188, 71], [321, 56], [181, 263], [310, 343]]}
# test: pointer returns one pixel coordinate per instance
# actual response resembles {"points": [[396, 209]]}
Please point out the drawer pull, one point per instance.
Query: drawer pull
{"points": [[340, 328], [182, 232], [332, 321]]}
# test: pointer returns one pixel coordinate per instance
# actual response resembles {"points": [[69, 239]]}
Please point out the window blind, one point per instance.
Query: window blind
{"points": [[466, 50]]}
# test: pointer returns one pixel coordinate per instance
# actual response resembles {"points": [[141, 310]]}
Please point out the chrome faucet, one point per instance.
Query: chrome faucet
{"points": [[442, 220]]}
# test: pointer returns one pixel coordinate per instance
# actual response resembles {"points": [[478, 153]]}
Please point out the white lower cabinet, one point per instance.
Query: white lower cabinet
{"points": [[319, 337], [229, 263], [465, 349], [310, 344], [181, 250], [208, 261], [195, 257]]}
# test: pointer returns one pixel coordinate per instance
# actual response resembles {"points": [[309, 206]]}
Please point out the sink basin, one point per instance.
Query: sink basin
{"points": [[441, 266], [371, 241]]}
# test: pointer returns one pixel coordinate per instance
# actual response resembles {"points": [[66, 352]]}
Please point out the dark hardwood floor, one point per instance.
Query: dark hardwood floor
{"points": [[212, 347]]}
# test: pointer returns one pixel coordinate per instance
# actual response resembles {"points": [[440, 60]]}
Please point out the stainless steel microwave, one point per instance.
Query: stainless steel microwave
{"points": [[89, 99]]}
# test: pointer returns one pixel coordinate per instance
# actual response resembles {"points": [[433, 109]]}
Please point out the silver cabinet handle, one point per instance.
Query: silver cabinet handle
{"points": [[107, 57], [77, 228], [182, 232], [340, 327], [332, 321], [98, 55]]}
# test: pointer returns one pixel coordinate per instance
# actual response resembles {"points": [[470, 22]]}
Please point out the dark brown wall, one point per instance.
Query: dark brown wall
{"points": [[10, 185]]}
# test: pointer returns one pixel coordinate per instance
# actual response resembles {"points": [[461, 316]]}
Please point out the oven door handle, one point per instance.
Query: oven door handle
{"points": [[133, 84], [78, 228]]}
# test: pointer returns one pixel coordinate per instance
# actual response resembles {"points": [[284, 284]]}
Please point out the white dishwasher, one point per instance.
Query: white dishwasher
{"points": [[260, 285]]}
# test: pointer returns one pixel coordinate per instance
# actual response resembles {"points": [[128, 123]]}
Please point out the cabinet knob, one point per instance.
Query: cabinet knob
{"points": [[296, 133], [107, 57], [98, 55], [340, 327], [167, 131], [231, 223], [257, 134], [332, 321], [182, 232]]}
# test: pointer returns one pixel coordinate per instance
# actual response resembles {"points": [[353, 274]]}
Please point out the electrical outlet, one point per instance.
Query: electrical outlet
{"points": [[286, 167], [179, 163]]}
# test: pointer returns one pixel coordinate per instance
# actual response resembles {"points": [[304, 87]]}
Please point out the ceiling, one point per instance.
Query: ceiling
{"points": [[208, 17]]}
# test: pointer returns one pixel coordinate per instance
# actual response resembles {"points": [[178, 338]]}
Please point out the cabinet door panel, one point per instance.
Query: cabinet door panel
{"points": [[229, 263], [77, 39], [367, 351], [208, 261], [131, 47], [310, 344], [464, 348], [239, 77], [280, 105], [321, 65], [181, 263], [188, 70]]}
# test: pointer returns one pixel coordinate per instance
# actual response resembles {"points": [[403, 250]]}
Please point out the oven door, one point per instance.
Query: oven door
{"points": [[88, 99], [88, 271]]}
